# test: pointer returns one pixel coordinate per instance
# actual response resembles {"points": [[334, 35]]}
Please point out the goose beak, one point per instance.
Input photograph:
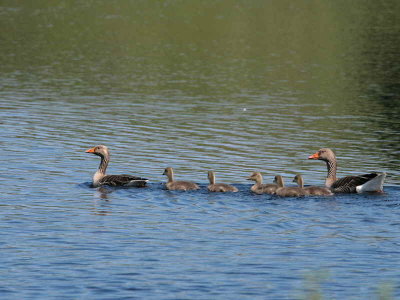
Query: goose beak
{"points": [[91, 150], [314, 156], [248, 178]]}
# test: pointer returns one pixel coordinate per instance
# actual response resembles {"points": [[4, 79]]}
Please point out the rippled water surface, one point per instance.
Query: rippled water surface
{"points": [[232, 86]]}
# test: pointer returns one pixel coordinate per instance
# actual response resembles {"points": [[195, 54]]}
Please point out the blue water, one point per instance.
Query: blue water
{"points": [[63, 239], [151, 243]]}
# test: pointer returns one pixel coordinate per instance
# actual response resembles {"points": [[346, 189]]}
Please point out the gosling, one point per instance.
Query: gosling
{"points": [[287, 191], [219, 187], [173, 185], [259, 187], [312, 190]]}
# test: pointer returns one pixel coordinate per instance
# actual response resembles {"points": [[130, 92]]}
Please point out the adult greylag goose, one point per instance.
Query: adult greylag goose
{"points": [[312, 190], [372, 182], [100, 178], [259, 187], [219, 187], [178, 185], [291, 191]]}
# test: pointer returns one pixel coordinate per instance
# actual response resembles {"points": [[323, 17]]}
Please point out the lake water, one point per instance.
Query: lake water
{"points": [[232, 86]]}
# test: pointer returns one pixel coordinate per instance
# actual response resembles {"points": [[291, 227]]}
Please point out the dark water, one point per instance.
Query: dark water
{"points": [[231, 86]]}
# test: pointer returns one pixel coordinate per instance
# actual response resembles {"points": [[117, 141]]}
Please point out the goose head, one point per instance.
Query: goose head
{"points": [[99, 150], [324, 154]]}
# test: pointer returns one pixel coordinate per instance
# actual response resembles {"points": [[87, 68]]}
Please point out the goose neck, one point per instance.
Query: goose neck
{"points": [[300, 182], [211, 178], [170, 175], [331, 175], [279, 181], [104, 164]]}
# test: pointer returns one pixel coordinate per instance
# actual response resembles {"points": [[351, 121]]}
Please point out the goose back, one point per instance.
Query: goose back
{"points": [[123, 180], [354, 184], [222, 187], [181, 186]]}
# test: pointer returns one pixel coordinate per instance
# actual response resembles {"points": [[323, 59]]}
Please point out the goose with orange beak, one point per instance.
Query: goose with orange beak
{"points": [[372, 182], [100, 178]]}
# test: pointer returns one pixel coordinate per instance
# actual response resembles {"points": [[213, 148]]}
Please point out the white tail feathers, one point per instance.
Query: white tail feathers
{"points": [[373, 185]]}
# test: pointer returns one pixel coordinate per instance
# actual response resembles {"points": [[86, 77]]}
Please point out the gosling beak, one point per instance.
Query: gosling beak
{"points": [[314, 156]]}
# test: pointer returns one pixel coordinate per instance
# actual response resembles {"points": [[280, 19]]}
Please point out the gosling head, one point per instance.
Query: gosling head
{"points": [[168, 171], [297, 178], [279, 180], [255, 176]]}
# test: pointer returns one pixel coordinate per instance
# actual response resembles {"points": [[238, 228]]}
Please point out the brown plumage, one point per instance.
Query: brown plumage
{"points": [[100, 178], [312, 190], [259, 187], [372, 182], [173, 185], [287, 191], [219, 187]]}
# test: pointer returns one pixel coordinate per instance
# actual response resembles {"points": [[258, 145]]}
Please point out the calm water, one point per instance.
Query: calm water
{"points": [[231, 86]]}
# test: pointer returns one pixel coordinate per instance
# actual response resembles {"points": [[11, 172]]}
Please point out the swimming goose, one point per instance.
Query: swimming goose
{"points": [[372, 182], [311, 190], [178, 185], [100, 178], [291, 191], [219, 187], [259, 187]]}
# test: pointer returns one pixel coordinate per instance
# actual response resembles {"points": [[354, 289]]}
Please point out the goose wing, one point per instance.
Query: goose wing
{"points": [[349, 184], [123, 180]]}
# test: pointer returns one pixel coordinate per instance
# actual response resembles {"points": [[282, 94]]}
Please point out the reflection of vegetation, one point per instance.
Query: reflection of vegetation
{"points": [[385, 291], [255, 42], [314, 280], [377, 72], [329, 69], [311, 46]]}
